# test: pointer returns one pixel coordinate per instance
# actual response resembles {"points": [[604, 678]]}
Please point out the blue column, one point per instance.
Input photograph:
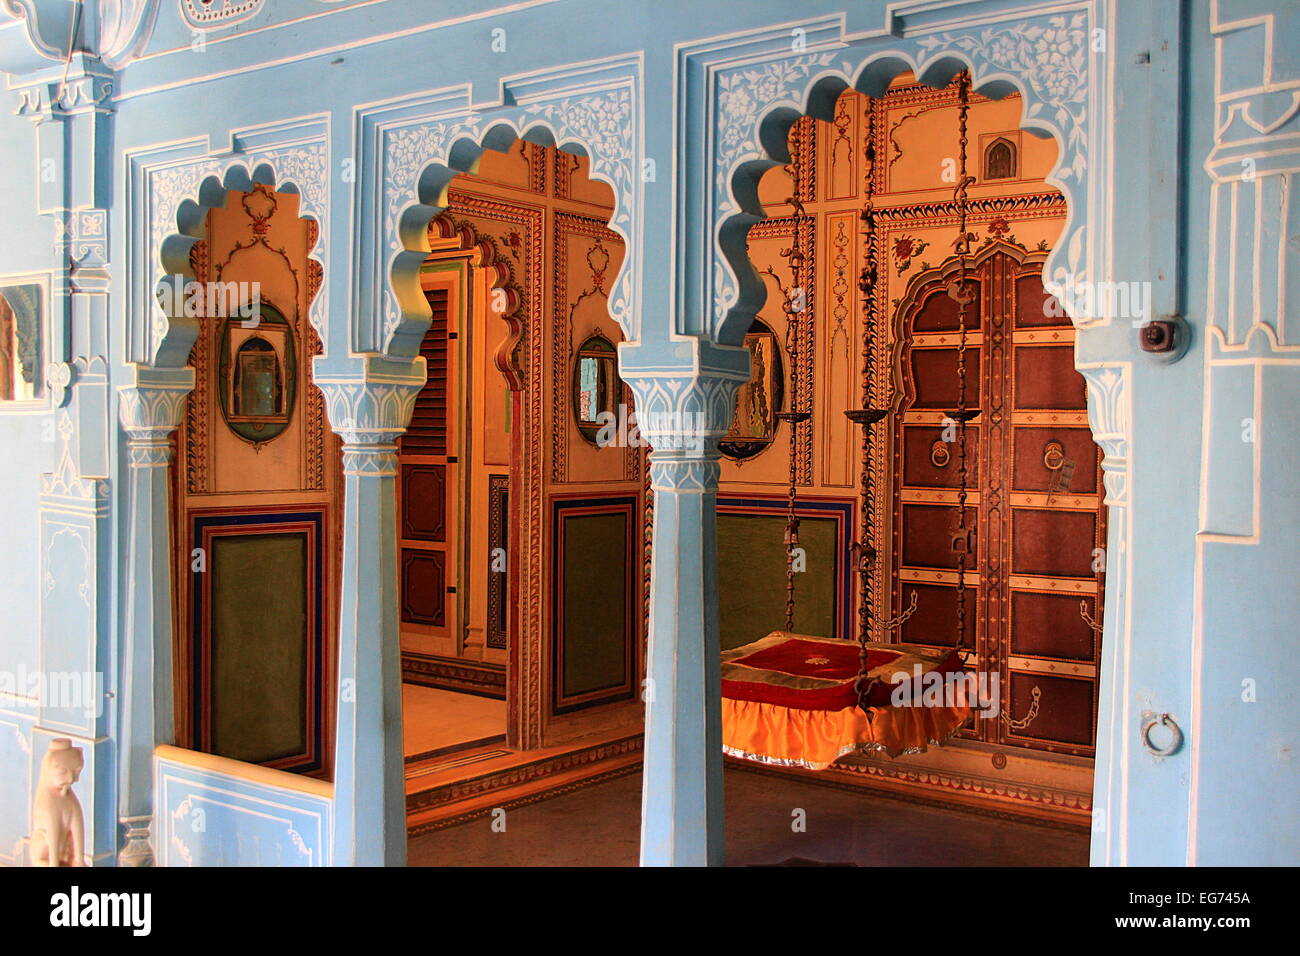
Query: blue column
{"points": [[150, 408], [370, 402], [684, 413]]}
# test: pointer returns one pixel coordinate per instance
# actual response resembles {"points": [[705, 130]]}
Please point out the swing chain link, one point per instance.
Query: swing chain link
{"points": [[963, 297], [796, 256], [867, 286]]}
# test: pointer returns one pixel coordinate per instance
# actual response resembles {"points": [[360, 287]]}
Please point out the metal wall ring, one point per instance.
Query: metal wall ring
{"points": [[1164, 720]]}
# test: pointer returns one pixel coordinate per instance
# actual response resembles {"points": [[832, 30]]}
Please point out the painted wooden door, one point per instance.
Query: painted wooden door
{"points": [[1035, 582], [428, 483]]}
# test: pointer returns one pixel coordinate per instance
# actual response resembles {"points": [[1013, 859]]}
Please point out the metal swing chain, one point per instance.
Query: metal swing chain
{"points": [[867, 285], [791, 541], [796, 257], [866, 554], [963, 297]]}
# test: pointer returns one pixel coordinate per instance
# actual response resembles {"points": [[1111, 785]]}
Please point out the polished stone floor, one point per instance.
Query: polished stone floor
{"points": [[436, 720], [600, 826]]}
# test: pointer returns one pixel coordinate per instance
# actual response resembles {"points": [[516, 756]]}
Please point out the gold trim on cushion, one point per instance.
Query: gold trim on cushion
{"points": [[815, 739], [908, 656]]}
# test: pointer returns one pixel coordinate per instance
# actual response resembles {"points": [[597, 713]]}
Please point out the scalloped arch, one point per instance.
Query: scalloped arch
{"points": [[500, 278], [174, 333], [814, 88], [407, 314]]}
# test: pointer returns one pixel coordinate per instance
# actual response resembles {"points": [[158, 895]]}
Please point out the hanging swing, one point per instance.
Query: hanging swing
{"points": [[796, 700]]}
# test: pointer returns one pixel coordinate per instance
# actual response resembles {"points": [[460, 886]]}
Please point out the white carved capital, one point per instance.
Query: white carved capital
{"points": [[687, 408], [369, 401], [1108, 417], [150, 406]]}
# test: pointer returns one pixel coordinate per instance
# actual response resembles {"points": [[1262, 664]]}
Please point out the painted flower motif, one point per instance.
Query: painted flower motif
{"points": [[514, 242], [1006, 49], [999, 227], [906, 248]]}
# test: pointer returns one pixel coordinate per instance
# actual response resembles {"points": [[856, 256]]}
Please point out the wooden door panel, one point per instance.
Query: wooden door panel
{"points": [[1035, 496], [428, 482], [938, 312], [934, 373], [935, 615], [928, 539], [424, 587], [1035, 308], [424, 503], [931, 462], [1050, 625], [1066, 710], [1036, 451], [1046, 378], [1054, 544]]}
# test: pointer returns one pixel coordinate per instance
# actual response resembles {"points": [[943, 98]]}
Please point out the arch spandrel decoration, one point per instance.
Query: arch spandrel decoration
{"points": [[173, 195], [420, 145], [754, 105]]}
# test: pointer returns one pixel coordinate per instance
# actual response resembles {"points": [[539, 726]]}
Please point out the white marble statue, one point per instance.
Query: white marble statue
{"points": [[58, 830]]}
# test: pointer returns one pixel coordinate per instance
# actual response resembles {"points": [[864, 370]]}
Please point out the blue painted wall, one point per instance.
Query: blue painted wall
{"points": [[1163, 108]]}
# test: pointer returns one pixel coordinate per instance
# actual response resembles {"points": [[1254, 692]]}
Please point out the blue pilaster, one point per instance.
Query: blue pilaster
{"points": [[684, 412], [369, 401], [150, 408]]}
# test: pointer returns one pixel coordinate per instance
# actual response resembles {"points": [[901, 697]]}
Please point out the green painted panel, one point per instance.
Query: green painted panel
{"points": [[259, 645], [595, 603], [751, 577]]}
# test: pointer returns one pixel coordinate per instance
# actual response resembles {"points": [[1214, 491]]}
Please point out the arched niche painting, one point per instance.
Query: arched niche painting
{"points": [[257, 380], [20, 343], [753, 427], [1000, 159], [595, 386]]}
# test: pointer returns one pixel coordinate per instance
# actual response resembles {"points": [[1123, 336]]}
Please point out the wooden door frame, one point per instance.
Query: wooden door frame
{"points": [[1024, 262]]}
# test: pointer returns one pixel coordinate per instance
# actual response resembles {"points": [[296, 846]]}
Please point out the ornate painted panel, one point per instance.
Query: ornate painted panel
{"points": [[215, 812], [752, 568], [259, 616], [597, 601]]}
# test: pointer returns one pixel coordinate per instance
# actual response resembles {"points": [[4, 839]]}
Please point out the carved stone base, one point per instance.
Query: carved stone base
{"points": [[136, 850]]}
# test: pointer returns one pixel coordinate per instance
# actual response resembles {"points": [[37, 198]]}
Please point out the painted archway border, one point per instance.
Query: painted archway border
{"points": [[412, 148], [419, 144], [172, 188], [751, 87]]}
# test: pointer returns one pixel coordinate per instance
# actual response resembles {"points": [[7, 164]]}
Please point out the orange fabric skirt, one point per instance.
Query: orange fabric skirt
{"points": [[815, 739]]}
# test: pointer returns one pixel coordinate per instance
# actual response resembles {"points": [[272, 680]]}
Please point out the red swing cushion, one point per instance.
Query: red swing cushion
{"points": [[818, 673]]}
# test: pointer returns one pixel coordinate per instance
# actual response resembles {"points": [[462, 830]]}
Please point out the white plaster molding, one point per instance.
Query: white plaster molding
{"points": [[65, 483], [754, 96], [369, 404], [204, 16], [150, 408], [1108, 417], [173, 186], [420, 143]]}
